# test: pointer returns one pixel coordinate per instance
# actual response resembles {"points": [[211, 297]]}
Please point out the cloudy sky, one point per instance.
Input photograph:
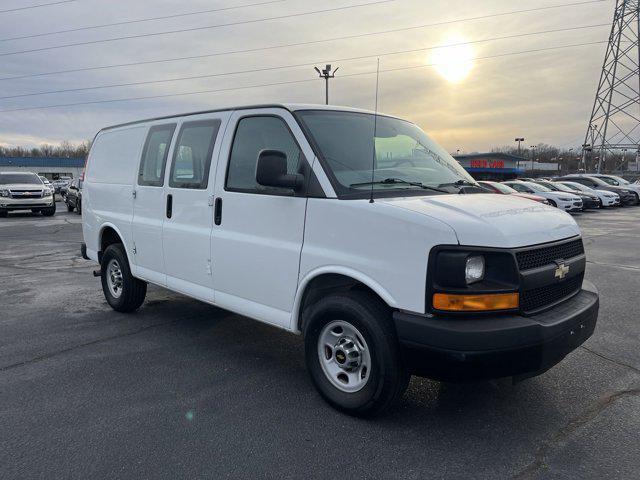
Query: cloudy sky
{"points": [[477, 96]]}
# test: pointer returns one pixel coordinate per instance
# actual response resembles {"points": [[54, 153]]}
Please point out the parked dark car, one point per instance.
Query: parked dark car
{"points": [[627, 197], [588, 200], [73, 198]]}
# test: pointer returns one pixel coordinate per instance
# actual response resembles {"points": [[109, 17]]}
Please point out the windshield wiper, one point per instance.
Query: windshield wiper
{"points": [[398, 181], [459, 183]]}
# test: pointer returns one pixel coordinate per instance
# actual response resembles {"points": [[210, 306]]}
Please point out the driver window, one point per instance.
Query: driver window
{"points": [[253, 135]]}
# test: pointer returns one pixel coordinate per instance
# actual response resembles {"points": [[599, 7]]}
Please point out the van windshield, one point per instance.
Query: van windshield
{"points": [[403, 152]]}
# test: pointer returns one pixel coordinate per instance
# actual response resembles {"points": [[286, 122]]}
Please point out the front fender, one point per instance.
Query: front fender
{"points": [[337, 270]]}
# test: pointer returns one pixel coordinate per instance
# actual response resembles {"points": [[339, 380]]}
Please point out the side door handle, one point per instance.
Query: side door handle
{"points": [[217, 211], [169, 205]]}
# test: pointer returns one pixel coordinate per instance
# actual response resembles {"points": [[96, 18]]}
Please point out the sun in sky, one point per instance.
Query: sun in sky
{"points": [[454, 61]]}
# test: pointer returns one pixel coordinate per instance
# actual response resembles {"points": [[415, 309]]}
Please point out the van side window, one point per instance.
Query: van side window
{"points": [[254, 134], [154, 155], [192, 154]]}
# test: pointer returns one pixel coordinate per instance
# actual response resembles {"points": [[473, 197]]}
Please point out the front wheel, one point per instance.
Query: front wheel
{"points": [[352, 353], [49, 212], [69, 207], [123, 291]]}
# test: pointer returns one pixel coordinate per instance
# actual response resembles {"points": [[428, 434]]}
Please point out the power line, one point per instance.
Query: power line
{"points": [[37, 6], [297, 44], [282, 67], [397, 69], [129, 22], [194, 29]]}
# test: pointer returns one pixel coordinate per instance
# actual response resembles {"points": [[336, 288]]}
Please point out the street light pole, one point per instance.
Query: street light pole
{"points": [[533, 153], [326, 73]]}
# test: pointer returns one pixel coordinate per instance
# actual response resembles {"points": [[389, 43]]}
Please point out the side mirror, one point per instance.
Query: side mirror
{"points": [[271, 171]]}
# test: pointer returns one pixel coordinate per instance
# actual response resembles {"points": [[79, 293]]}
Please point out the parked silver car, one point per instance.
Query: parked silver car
{"points": [[25, 191]]}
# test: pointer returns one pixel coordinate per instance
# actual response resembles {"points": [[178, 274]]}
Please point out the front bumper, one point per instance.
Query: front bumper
{"points": [[590, 203], [7, 203], [453, 349]]}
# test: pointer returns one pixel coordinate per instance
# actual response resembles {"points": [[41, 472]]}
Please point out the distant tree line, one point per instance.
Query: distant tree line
{"points": [[570, 160], [64, 149]]}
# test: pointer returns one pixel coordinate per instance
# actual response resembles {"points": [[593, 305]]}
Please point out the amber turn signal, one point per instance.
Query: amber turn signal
{"points": [[475, 303]]}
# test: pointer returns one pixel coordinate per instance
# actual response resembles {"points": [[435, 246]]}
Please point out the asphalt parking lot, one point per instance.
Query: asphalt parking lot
{"points": [[185, 390]]}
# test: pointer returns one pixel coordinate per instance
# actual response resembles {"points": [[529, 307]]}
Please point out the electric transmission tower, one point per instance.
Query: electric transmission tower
{"points": [[615, 119]]}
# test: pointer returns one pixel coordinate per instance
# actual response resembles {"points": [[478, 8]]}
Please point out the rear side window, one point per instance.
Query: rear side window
{"points": [[253, 135], [192, 154], [154, 155]]}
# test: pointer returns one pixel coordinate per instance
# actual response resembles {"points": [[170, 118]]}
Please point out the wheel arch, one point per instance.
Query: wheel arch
{"points": [[110, 234], [331, 279]]}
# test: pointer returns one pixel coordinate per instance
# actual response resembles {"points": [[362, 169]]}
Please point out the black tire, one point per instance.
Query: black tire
{"points": [[69, 208], [49, 212], [79, 207], [553, 204], [133, 290], [3, 214], [388, 379]]}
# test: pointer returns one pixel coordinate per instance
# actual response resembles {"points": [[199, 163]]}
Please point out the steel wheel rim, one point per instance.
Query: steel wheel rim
{"points": [[344, 356], [114, 278]]}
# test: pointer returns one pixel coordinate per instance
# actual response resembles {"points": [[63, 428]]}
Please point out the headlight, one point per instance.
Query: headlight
{"points": [[474, 269], [47, 191], [4, 193], [565, 199]]}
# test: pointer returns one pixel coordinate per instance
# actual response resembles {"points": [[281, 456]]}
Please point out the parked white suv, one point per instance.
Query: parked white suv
{"points": [[288, 215], [562, 200], [25, 191]]}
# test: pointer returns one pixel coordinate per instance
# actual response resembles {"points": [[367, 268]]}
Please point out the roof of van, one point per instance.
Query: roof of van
{"points": [[292, 107]]}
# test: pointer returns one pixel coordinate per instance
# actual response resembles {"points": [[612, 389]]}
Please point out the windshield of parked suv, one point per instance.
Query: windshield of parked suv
{"points": [[13, 178], [403, 152], [564, 188], [506, 189], [536, 187], [610, 181], [620, 180]]}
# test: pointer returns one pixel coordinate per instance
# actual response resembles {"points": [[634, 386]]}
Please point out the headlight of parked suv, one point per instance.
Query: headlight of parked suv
{"points": [[4, 192], [566, 199], [47, 191]]}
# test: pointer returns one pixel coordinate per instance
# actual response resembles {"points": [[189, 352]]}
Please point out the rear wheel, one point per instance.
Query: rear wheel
{"points": [[69, 207], [123, 291], [352, 353]]}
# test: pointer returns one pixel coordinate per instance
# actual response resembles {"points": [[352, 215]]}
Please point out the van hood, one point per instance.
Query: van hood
{"points": [[488, 220]]}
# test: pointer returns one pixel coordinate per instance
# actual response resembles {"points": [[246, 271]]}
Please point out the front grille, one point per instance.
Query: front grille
{"points": [[540, 297], [26, 193], [539, 257]]}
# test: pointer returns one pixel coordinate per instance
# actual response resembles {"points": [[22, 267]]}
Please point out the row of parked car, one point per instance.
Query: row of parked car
{"points": [[572, 193]]}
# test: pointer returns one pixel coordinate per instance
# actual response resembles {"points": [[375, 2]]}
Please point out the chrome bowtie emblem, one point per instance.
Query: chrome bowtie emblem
{"points": [[561, 271]]}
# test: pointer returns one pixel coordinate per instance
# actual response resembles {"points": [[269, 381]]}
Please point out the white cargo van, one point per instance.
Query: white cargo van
{"points": [[349, 228]]}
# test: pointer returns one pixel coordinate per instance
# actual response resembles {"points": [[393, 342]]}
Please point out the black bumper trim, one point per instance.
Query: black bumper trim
{"points": [[501, 346]]}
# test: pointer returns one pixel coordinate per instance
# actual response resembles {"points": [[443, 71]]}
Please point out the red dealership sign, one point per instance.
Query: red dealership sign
{"points": [[483, 163]]}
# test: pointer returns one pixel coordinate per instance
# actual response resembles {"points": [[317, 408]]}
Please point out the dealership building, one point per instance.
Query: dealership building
{"points": [[50, 167], [492, 166]]}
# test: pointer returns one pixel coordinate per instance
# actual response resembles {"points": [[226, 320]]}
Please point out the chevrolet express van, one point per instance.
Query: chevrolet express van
{"points": [[349, 228]]}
